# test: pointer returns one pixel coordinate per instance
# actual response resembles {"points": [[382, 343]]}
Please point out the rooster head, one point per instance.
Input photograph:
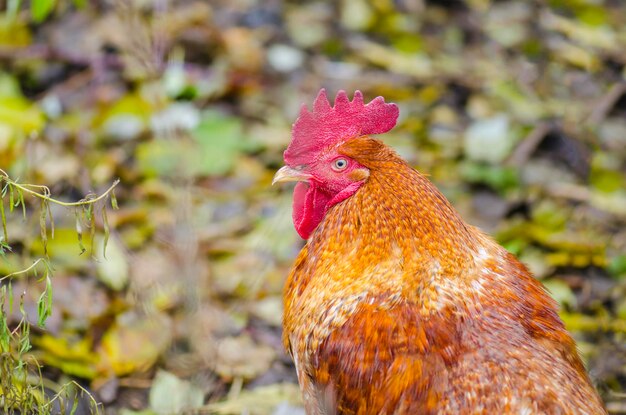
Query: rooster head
{"points": [[314, 159]]}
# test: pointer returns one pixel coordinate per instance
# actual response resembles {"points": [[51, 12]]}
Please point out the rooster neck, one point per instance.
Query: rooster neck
{"points": [[397, 239], [398, 215]]}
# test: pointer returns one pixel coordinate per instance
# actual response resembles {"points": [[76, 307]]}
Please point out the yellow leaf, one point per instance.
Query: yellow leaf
{"points": [[133, 343], [14, 33], [20, 115], [72, 357]]}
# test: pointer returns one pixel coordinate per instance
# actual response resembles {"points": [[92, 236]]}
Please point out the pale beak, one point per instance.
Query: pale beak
{"points": [[289, 174]]}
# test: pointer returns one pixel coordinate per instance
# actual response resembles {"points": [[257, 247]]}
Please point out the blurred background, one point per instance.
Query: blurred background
{"points": [[516, 110]]}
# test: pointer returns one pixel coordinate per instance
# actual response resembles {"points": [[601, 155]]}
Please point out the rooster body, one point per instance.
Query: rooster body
{"points": [[396, 306]]}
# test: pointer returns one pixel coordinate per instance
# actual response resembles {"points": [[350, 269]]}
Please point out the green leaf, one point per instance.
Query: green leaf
{"points": [[40, 9], [220, 139], [74, 406], [11, 199], [24, 341], [216, 142], [617, 266], [44, 303], [79, 232], [10, 292], [499, 178], [105, 225], [22, 309], [549, 217], [21, 196], [42, 226], [88, 212], [114, 200], [5, 336], [4, 221], [92, 227], [51, 220]]}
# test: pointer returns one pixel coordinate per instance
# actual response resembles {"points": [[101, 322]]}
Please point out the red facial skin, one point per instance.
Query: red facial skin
{"points": [[327, 186]]}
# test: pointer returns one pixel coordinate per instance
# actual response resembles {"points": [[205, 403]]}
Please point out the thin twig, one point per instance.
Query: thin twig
{"points": [[529, 144], [23, 271], [606, 103], [47, 198]]}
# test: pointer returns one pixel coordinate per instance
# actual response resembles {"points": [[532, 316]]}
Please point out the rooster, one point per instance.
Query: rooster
{"points": [[395, 305]]}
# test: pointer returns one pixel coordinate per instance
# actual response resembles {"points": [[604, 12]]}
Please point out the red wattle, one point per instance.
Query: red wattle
{"points": [[309, 207], [310, 204]]}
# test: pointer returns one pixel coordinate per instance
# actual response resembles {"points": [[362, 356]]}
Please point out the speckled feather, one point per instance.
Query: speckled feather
{"points": [[396, 306]]}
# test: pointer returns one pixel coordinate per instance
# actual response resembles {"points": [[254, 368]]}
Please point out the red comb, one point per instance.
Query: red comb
{"points": [[327, 125]]}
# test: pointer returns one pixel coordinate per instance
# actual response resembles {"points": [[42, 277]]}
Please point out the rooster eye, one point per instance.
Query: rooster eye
{"points": [[340, 164]]}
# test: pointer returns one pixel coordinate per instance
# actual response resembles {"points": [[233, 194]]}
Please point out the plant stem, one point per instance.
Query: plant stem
{"points": [[46, 192], [23, 271]]}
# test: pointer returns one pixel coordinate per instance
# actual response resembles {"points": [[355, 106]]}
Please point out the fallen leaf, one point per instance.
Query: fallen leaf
{"points": [[240, 357], [560, 291], [489, 139], [171, 395], [72, 356], [134, 342], [112, 263], [264, 400]]}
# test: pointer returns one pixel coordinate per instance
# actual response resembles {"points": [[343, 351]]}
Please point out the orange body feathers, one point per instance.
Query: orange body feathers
{"points": [[396, 306]]}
